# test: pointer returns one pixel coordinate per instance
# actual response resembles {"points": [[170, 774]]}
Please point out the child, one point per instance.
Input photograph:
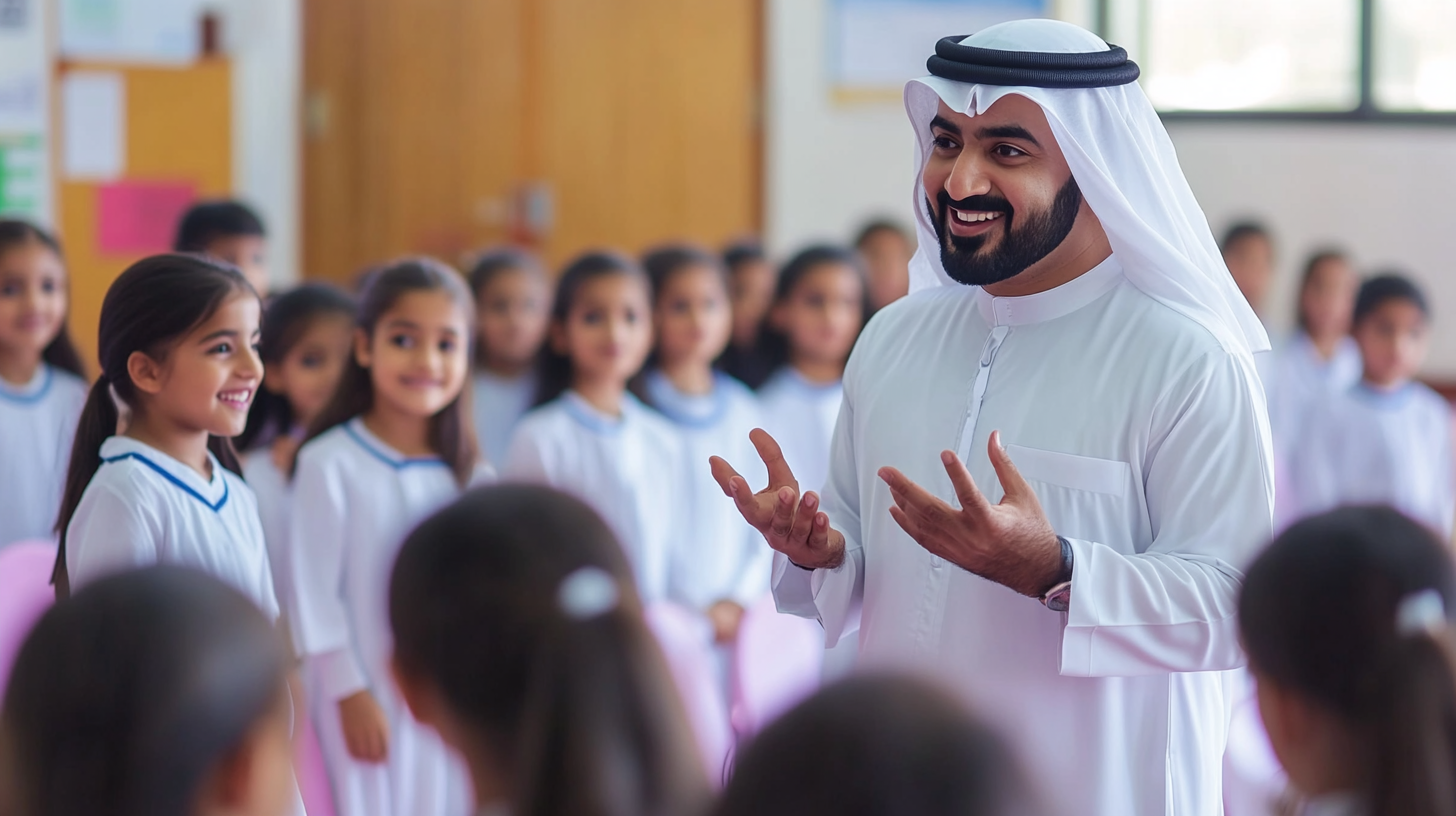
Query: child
{"points": [[817, 314], [1248, 252], [877, 746], [307, 337], [519, 636], [1321, 359], [722, 565], [750, 287], [592, 438], [41, 385], [885, 250], [176, 347], [228, 231], [512, 301], [1346, 621], [158, 691], [1388, 438], [394, 444]]}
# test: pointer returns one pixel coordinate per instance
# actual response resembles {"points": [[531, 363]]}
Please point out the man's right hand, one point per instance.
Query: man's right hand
{"points": [[792, 525]]}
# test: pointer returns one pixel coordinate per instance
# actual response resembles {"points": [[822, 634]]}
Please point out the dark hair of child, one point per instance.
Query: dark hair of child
{"points": [[208, 221], [1385, 287], [60, 352], [1316, 259], [1242, 230]]}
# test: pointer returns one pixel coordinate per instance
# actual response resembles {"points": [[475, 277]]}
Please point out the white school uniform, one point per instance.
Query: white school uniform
{"points": [[1370, 446], [721, 557], [355, 500], [37, 427], [499, 403], [1303, 381], [800, 415], [144, 507], [630, 469], [275, 500]]}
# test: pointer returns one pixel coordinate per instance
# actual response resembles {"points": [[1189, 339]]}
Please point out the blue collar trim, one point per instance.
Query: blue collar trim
{"points": [[590, 418], [396, 462], [1384, 400], [8, 393], [186, 488], [675, 405]]}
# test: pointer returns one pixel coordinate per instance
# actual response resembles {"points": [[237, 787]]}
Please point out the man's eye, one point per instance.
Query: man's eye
{"points": [[1006, 151]]}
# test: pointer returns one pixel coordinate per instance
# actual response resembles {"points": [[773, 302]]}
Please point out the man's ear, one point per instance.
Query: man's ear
{"points": [[363, 355], [147, 375]]}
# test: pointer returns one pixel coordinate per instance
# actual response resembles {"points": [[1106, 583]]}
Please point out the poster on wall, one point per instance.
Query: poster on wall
{"points": [[166, 32], [24, 111], [876, 46]]}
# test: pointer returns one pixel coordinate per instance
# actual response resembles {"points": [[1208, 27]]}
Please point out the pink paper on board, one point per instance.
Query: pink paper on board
{"points": [[141, 216]]}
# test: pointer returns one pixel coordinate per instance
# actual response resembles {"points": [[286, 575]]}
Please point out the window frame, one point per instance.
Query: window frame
{"points": [[1364, 112]]}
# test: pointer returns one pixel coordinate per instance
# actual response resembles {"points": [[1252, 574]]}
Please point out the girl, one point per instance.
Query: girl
{"points": [[751, 288], [1321, 359], [722, 565], [306, 339], [41, 385], [1388, 438], [394, 444], [156, 692], [817, 314], [1346, 621], [176, 346], [512, 298], [877, 746], [592, 438], [519, 637]]}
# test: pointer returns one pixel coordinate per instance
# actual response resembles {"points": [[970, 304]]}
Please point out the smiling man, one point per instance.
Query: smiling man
{"points": [[1053, 459]]}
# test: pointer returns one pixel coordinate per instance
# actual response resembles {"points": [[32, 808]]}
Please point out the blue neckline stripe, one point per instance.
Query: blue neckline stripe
{"points": [[397, 464], [28, 399], [216, 508], [669, 400]]}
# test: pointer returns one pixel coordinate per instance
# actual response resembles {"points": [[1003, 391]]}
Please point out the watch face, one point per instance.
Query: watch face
{"points": [[1060, 598]]}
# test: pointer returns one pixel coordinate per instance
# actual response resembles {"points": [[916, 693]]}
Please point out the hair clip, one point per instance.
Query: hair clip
{"points": [[587, 593], [1422, 612]]}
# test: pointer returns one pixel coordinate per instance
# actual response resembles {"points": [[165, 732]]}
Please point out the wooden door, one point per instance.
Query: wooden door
{"points": [[429, 124]]}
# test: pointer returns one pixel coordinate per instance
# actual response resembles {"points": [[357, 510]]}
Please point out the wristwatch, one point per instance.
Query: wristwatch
{"points": [[1059, 597]]}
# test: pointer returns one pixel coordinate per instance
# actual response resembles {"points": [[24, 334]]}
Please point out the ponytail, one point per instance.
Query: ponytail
{"points": [[98, 421], [1414, 737]]}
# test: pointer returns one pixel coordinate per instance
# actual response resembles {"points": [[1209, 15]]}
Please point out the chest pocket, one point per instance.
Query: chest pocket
{"points": [[1105, 476], [1083, 497]]}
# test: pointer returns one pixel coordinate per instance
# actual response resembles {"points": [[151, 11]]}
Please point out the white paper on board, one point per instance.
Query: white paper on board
{"points": [[93, 125]]}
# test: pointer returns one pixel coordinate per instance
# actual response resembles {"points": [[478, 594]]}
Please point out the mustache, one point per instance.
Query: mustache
{"points": [[976, 203]]}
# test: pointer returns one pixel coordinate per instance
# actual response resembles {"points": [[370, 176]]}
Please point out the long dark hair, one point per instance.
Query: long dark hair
{"points": [[452, 431], [125, 697], [555, 368], [1312, 265], [285, 322], [518, 604], [1320, 614], [60, 352], [148, 307], [773, 344], [877, 746]]}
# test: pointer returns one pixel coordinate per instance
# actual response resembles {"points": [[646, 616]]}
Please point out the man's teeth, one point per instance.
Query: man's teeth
{"points": [[971, 218]]}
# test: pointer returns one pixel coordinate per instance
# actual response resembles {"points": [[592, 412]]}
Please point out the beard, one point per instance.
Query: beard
{"points": [[1023, 242]]}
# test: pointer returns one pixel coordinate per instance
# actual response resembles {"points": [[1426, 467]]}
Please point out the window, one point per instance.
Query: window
{"points": [[1291, 58]]}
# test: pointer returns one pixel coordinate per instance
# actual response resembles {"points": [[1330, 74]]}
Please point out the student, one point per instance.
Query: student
{"points": [[818, 311], [520, 638], [513, 303], [885, 250], [41, 382], [307, 337], [1248, 252], [229, 231], [877, 746], [592, 438], [750, 288], [1388, 438], [1346, 619], [394, 444], [1320, 359], [176, 343], [156, 692], [721, 565]]}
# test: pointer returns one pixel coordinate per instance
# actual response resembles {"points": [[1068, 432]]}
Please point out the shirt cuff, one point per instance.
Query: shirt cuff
{"points": [[340, 674]]}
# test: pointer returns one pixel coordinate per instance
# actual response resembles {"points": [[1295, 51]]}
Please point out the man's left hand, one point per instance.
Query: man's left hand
{"points": [[1011, 543]]}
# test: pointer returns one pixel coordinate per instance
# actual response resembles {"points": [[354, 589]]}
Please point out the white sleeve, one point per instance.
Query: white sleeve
{"points": [[1209, 484], [833, 596], [320, 619], [108, 533], [268, 596]]}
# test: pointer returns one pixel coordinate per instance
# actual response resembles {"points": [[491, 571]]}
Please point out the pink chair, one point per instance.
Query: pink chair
{"points": [[687, 642], [25, 594], [778, 661], [309, 769]]}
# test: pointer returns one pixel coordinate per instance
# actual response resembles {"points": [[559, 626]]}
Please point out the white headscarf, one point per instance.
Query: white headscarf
{"points": [[1128, 172]]}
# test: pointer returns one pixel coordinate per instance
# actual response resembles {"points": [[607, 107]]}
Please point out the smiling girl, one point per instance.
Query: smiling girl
{"points": [[41, 385], [176, 346], [393, 445]]}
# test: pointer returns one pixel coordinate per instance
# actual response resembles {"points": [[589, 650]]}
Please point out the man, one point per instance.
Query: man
{"points": [[1077, 580]]}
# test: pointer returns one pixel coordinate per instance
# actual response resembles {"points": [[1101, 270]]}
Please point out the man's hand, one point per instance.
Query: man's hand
{"points": [[791, 525], [1011, 543]]}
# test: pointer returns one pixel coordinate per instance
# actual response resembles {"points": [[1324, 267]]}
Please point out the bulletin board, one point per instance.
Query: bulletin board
{"points": [[177, 138]]}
